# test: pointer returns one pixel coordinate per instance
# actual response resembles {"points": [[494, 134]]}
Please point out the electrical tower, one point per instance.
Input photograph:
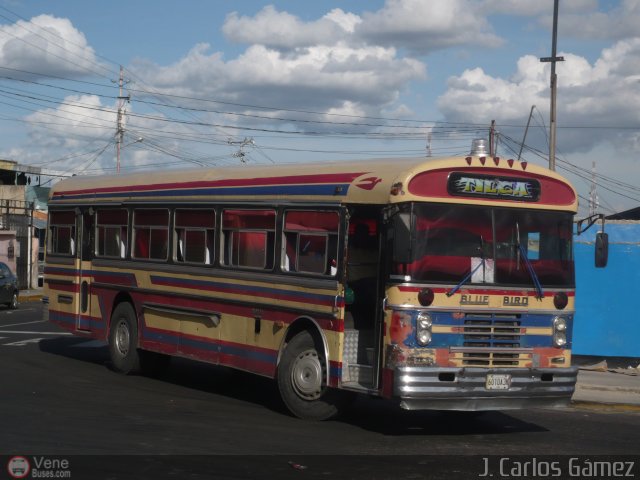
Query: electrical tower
{"points": [[241, 144], [123, 100]]}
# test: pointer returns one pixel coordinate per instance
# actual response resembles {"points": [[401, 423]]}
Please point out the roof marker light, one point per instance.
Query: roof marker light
{"points": [[524, 165], [496, 160], [468, 159], [482, 160], [510, 162]]}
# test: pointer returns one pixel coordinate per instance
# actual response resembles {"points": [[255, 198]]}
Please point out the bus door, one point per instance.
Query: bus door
{"points": [[84, 254], [363, 312]]}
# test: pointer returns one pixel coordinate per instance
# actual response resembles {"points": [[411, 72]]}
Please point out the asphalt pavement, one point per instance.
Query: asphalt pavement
{"points": [[598, 384]]}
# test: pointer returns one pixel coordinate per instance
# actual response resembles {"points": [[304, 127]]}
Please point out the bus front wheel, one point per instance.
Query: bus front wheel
{"points": [[123, 339], [302, 381]]}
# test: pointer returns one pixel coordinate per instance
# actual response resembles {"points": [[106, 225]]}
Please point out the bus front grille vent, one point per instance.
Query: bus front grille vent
{"points": [[491, 340]]}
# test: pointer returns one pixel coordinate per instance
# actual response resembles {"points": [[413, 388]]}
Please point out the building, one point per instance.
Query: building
{"points": [[23, 218]]}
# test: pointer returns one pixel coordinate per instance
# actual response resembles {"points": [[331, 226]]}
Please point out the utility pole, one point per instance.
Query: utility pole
{"points": [[120, 117], [429, 144], [554, 85], [493, 140]]}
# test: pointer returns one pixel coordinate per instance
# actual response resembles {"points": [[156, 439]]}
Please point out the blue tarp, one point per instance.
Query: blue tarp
{"points": [[606, 321]]}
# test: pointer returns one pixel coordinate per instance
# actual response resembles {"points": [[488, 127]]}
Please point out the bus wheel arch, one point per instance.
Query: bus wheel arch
{"points": [[123, 336], [303, 373], [310, 325]]}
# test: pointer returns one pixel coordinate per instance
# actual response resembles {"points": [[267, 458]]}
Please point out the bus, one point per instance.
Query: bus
{"points": [[443, 284]]}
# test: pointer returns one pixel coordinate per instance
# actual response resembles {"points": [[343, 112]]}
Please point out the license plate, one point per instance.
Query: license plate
{"points": [[498, 381]]}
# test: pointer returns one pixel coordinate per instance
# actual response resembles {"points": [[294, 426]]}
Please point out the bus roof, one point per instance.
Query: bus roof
{"points": [[471, 179]]}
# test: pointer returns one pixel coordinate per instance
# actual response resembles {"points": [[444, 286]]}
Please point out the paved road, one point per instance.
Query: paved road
{"points": [[58, 397]]}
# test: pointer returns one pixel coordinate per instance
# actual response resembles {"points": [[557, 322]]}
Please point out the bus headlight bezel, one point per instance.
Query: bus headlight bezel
{"points": [[423, 328], [559, 331]]}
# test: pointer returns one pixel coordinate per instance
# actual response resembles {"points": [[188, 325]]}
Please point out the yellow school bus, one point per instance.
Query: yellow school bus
{"points": [[441, 284]]}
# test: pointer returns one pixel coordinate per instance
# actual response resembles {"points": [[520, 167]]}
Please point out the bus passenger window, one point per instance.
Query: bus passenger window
{"points": [[310, 242], [195, 233], [62, 233], [248, 238], [111, 233], [151, 234]]}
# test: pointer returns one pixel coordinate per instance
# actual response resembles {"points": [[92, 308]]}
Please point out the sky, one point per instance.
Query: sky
{"points": [[213, 83]]}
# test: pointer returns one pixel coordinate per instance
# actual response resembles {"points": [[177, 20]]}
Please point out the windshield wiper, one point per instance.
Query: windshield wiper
{"points": [[470, 274], [465, 279]]}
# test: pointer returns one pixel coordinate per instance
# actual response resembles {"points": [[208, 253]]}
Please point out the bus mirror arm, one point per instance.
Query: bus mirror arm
{"points": [[589, 221], [602, 239]]}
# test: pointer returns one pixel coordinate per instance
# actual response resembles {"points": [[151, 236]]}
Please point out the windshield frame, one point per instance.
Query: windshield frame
{"points": [[544, 237]]}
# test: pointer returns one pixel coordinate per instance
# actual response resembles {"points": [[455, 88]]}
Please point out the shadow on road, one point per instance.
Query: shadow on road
{"points": [[367, 413], [384, 417]]}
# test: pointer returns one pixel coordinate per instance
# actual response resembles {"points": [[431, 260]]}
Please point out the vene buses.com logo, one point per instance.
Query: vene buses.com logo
{"points": [[18, 467]]}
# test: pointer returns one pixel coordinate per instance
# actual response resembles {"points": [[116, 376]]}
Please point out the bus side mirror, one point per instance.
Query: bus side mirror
{"points": [[402, 238], [602, 249]]}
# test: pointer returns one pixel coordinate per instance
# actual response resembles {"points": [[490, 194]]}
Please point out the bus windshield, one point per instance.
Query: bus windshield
{"points": [[492, 245]]}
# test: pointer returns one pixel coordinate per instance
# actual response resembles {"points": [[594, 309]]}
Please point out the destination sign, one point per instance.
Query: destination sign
{"points": [[519, 189]]}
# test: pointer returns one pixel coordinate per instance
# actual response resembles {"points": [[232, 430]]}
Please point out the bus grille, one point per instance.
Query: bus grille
{"points": [[492, 340]]}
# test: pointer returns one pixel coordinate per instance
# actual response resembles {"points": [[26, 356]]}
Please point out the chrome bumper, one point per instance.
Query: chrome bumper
{"points": [[429, 388]]}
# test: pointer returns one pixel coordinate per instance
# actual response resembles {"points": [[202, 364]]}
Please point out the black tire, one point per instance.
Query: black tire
{"points": [[153, 364], [13, 304], [302, 380], [123, 340]]}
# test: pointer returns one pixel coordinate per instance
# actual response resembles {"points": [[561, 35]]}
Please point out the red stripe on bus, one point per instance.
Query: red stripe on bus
{"points": [[239, 182]]}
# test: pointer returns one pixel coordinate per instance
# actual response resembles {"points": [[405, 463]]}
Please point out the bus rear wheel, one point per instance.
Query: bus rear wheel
{"points": [[302, 381], [123, 340]]}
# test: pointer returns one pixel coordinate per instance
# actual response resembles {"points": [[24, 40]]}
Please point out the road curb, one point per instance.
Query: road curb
{"points": [[601, 406]]}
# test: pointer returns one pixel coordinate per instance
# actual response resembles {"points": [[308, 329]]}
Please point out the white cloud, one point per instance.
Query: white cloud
{"points": [[534, 8], [319, 78], [422, 27], [618, 23], [71, 124], [47, 45], [281, 30], [602, 94]]}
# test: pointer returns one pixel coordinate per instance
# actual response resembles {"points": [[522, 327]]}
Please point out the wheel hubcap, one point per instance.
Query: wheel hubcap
{"points": [[306, 375], [122, 338]]}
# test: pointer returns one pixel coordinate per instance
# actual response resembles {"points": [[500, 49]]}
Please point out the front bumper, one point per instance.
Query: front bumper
{"points": [[429, 388]]}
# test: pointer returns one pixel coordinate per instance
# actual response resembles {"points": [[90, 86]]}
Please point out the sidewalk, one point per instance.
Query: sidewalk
{"points": [[597, 384]]}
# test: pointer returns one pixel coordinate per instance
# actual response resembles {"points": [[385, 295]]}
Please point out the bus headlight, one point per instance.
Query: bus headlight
{"points": [[560, 324], [423, 328], [559, 331], [559, 339]]}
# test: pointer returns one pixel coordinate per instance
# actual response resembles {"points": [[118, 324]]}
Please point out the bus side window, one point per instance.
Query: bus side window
{"points": [[248, 238], [194, 233], [111, 233], [310, 242], [151, 234], [62, 233]]}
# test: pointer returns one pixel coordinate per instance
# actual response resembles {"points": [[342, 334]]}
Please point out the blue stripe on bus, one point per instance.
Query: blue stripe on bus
{"points": [[339, 189], [211, 345], [444, 340], [130, 278], [70, 320], [240, 289]]}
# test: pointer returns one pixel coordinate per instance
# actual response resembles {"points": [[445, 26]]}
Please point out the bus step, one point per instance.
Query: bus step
{"points": [[358, 374], [357, 347]]}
